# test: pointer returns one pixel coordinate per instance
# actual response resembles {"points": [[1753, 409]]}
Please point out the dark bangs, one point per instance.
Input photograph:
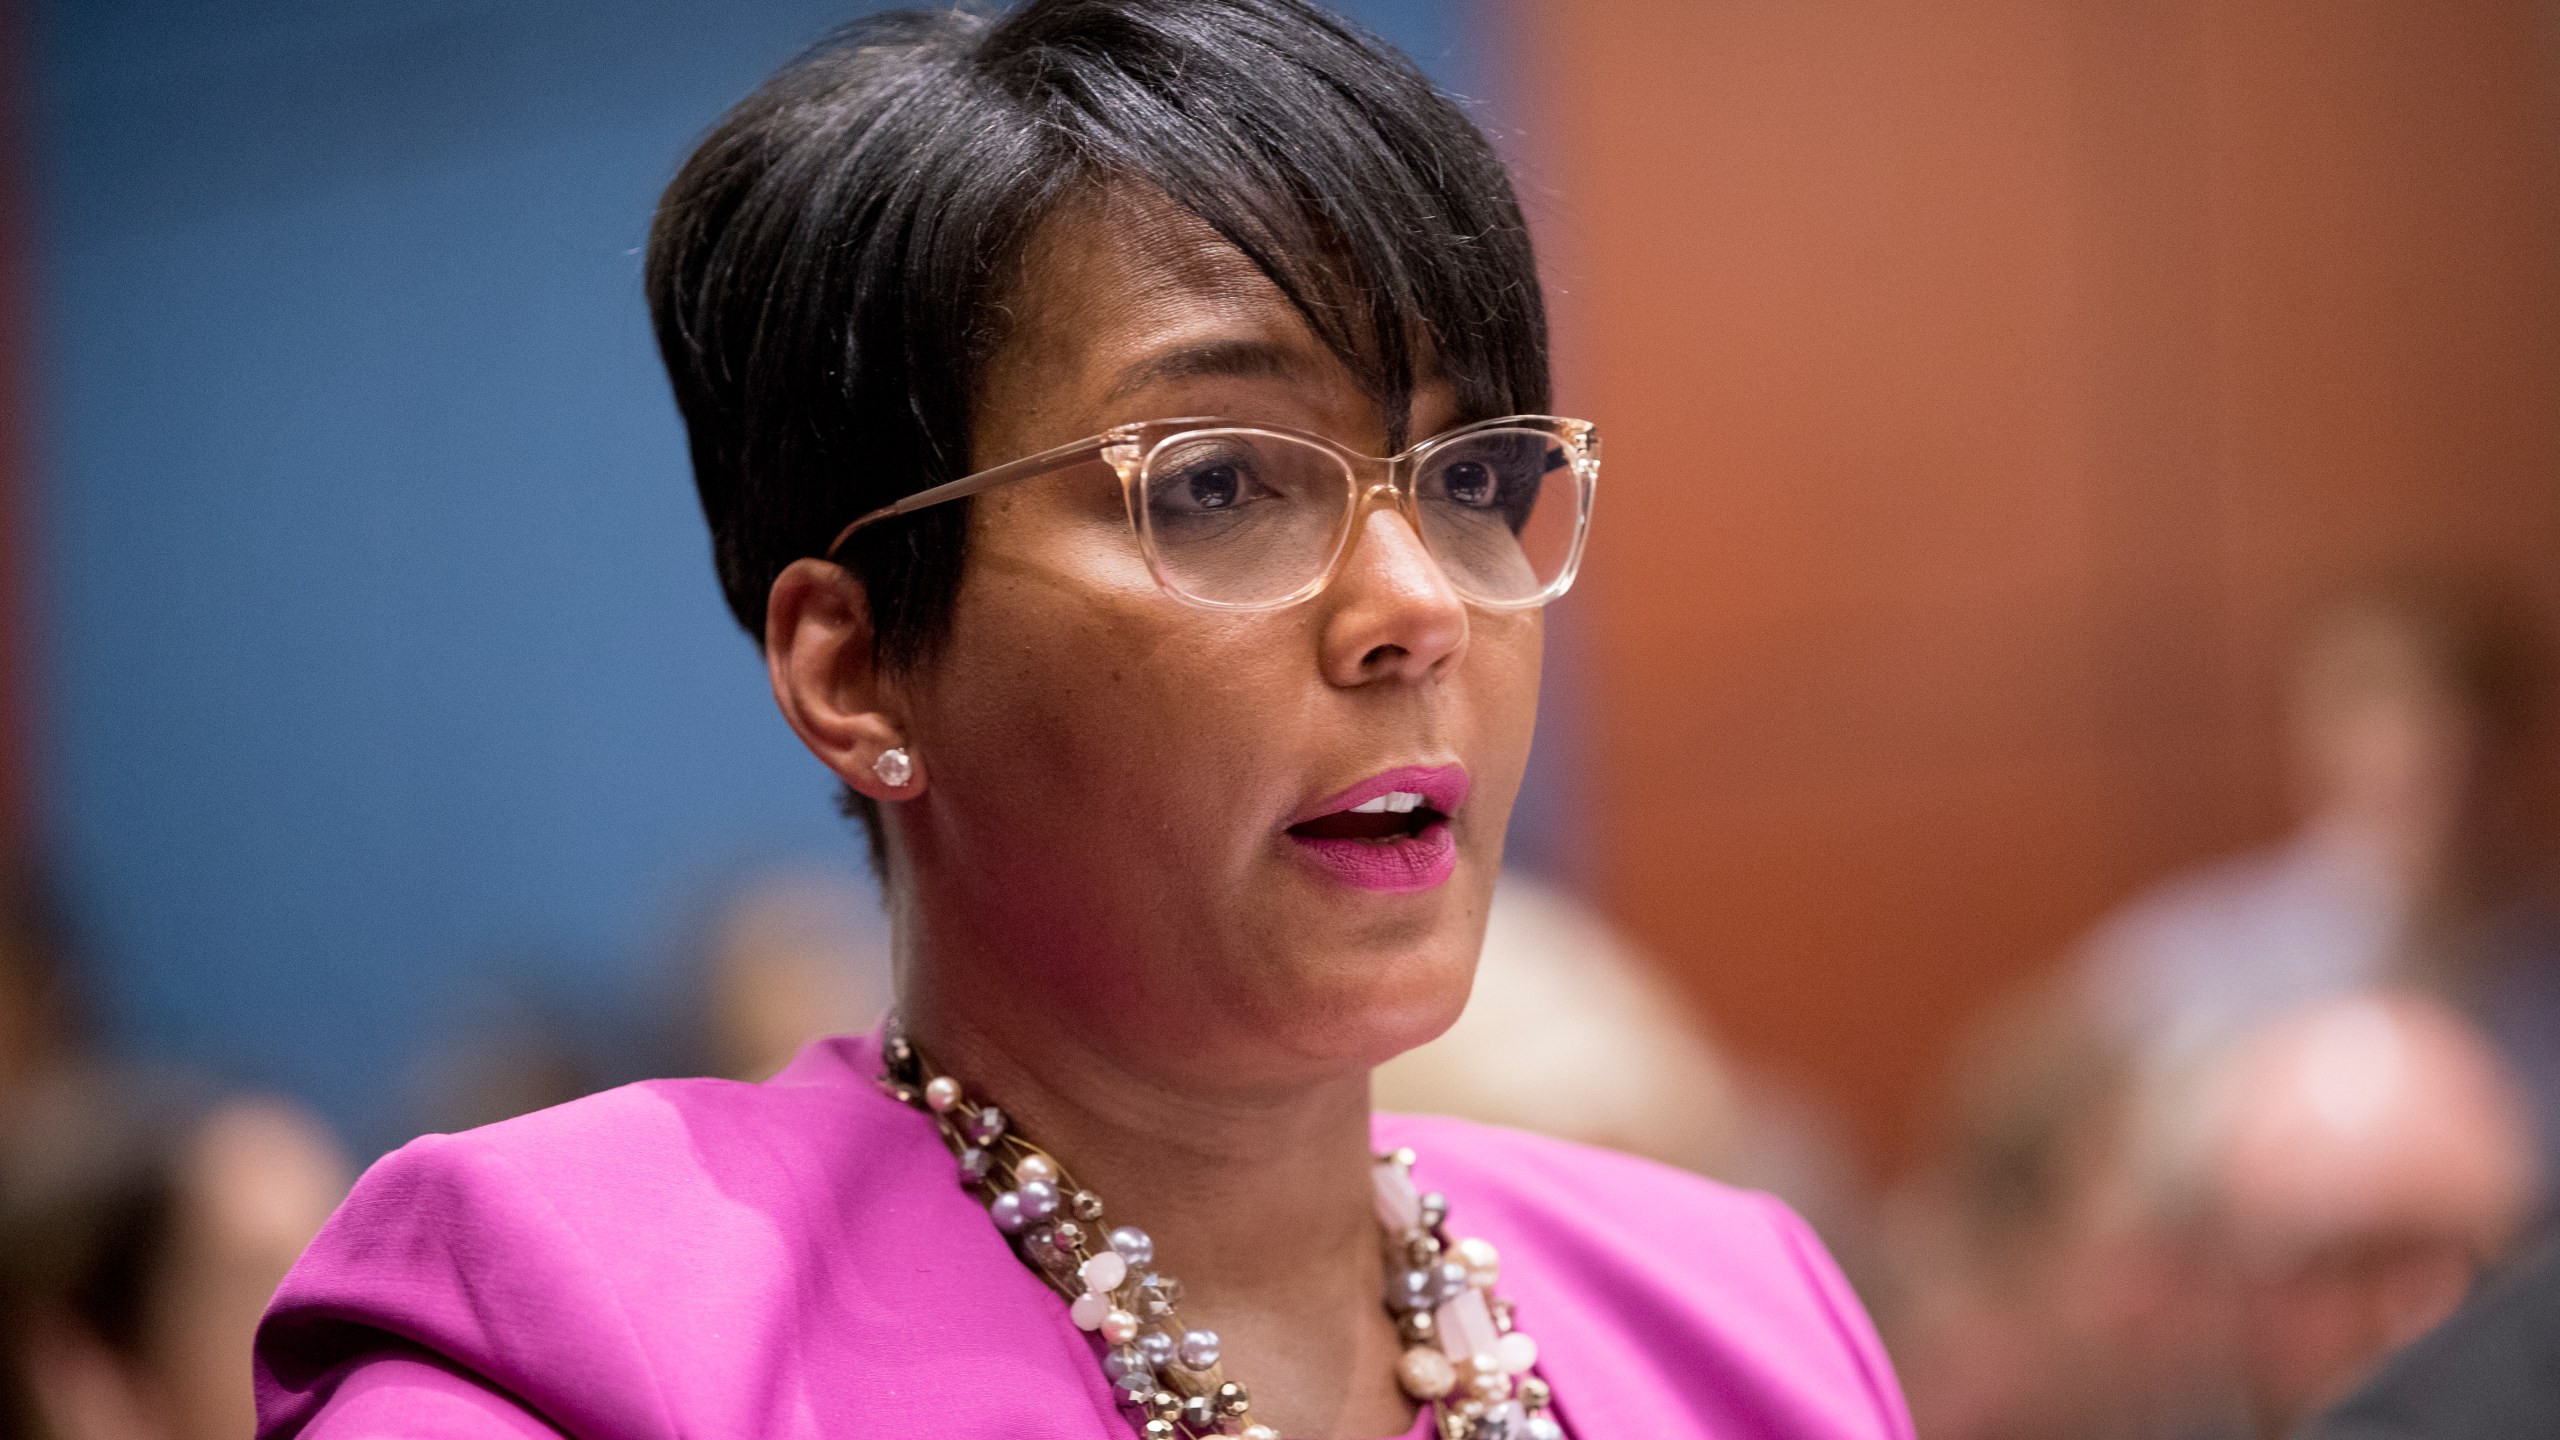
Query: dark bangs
{"points": [[826, 273]]}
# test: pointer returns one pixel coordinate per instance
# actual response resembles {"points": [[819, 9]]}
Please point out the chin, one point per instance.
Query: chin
{"points": [[1362, 1014]]}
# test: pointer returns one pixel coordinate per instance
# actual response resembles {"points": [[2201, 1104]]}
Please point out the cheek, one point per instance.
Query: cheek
{"points": [[1501, 682], [1084, 729]]}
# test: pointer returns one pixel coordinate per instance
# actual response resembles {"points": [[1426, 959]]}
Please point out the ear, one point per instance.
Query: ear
{"points": [[817, 648]]}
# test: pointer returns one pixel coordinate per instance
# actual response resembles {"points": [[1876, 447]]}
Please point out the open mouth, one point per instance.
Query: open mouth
{"points": [[1390, 833], [1381, 820]]}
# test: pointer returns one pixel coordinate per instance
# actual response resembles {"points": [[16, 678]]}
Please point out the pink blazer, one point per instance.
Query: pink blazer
{"points": [[709, 1260]]}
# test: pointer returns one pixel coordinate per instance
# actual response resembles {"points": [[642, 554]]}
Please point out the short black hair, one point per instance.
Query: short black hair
{"points": [[827, 273]]}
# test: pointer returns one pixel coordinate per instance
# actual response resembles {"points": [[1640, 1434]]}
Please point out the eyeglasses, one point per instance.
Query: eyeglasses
{"points": [[1257, 517]]}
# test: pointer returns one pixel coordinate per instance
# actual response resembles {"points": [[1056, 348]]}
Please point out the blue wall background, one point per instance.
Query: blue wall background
{"points": [[384, 663]]}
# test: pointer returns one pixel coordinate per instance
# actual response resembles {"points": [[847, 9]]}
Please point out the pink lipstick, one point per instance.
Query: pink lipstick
{"points": [[1389, 833]]}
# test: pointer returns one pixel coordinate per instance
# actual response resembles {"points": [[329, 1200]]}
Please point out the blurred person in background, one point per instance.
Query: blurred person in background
{"points": [[787, 957], [39, 1016], [2352, 1166], [2029, 1295], [1570, 1031], [142, 1230], [2422, 755], [2211, 1250], [2489, 1373]]}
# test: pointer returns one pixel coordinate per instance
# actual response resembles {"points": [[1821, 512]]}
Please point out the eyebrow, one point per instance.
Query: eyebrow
{"points": [[1214, 359]]}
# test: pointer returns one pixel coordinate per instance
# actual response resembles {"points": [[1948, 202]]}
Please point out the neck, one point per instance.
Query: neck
{"points": [[1259, 1201]]}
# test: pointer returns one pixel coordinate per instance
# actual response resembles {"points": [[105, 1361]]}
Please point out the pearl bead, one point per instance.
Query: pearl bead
{"points": [[1257, 1432], [941, 1093], [1517, 1352], [1007, 1213], [1121, 1362], [1035, 1166], [1088, 1310], [1104, 1272], [1119, 1327], [1414, 1290], [1425, 1374], [1135, 1246], [1198, 1349], [1542, 1426], [1039, 1200], [1450, 1279], [1483, 1262], [1157, 1346]]}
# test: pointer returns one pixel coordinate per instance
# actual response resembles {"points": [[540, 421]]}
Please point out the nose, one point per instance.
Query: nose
{"points": [[1391, 612]]}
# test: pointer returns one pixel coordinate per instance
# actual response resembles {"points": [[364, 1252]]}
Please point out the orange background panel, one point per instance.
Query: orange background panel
{"points": [[1987, 388]]}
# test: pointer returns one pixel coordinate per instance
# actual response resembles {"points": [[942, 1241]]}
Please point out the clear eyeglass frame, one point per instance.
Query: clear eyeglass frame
{"points": [[1370, 480]]}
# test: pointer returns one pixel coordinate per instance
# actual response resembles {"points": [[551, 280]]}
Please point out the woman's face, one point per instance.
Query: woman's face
{"points": [[1128, 794]]}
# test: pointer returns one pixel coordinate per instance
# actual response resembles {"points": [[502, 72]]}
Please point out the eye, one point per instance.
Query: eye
{"points": [[1214, 487], [1205, 478], [1496, 473], [1469, 482]]}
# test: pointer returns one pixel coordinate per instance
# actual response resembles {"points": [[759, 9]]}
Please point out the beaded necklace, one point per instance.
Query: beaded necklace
{"points": [[1463, 1358]]}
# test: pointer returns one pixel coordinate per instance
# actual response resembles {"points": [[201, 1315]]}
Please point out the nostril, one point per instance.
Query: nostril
{"points": [[1383, 655]]}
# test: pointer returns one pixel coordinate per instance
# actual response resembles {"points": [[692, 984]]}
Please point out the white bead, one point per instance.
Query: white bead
{"points": [[1466, 1327], [1118, 1327], [1088, 1310], [1425, 1373], [1399, 1204], [1035, 1167], [1483, 1262], [1257, 1431], [941, 1093], [1517, 1352], [1104, 1272]]}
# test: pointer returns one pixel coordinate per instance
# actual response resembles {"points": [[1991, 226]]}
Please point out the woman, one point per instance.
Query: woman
{"points": [[1185, 746]]}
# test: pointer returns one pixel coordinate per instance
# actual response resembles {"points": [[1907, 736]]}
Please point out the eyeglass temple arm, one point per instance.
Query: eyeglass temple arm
{"points": [[1074, 452]]}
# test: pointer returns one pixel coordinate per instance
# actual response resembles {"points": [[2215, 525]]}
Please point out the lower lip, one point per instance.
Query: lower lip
{"points": [[1399, 867]]}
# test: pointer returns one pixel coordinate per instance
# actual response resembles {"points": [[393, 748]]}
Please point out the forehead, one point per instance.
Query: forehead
{"points": [[1125, 301]]}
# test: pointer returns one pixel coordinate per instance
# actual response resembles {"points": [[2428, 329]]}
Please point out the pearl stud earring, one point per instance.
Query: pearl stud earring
{"points": [[893, 767]]}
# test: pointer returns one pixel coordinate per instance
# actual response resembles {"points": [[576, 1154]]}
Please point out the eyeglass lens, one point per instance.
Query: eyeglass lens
{"points": [[1246, 517]]}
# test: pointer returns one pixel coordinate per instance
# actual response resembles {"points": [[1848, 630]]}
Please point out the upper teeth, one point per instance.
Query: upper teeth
{"points": [[1394, 802]]}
